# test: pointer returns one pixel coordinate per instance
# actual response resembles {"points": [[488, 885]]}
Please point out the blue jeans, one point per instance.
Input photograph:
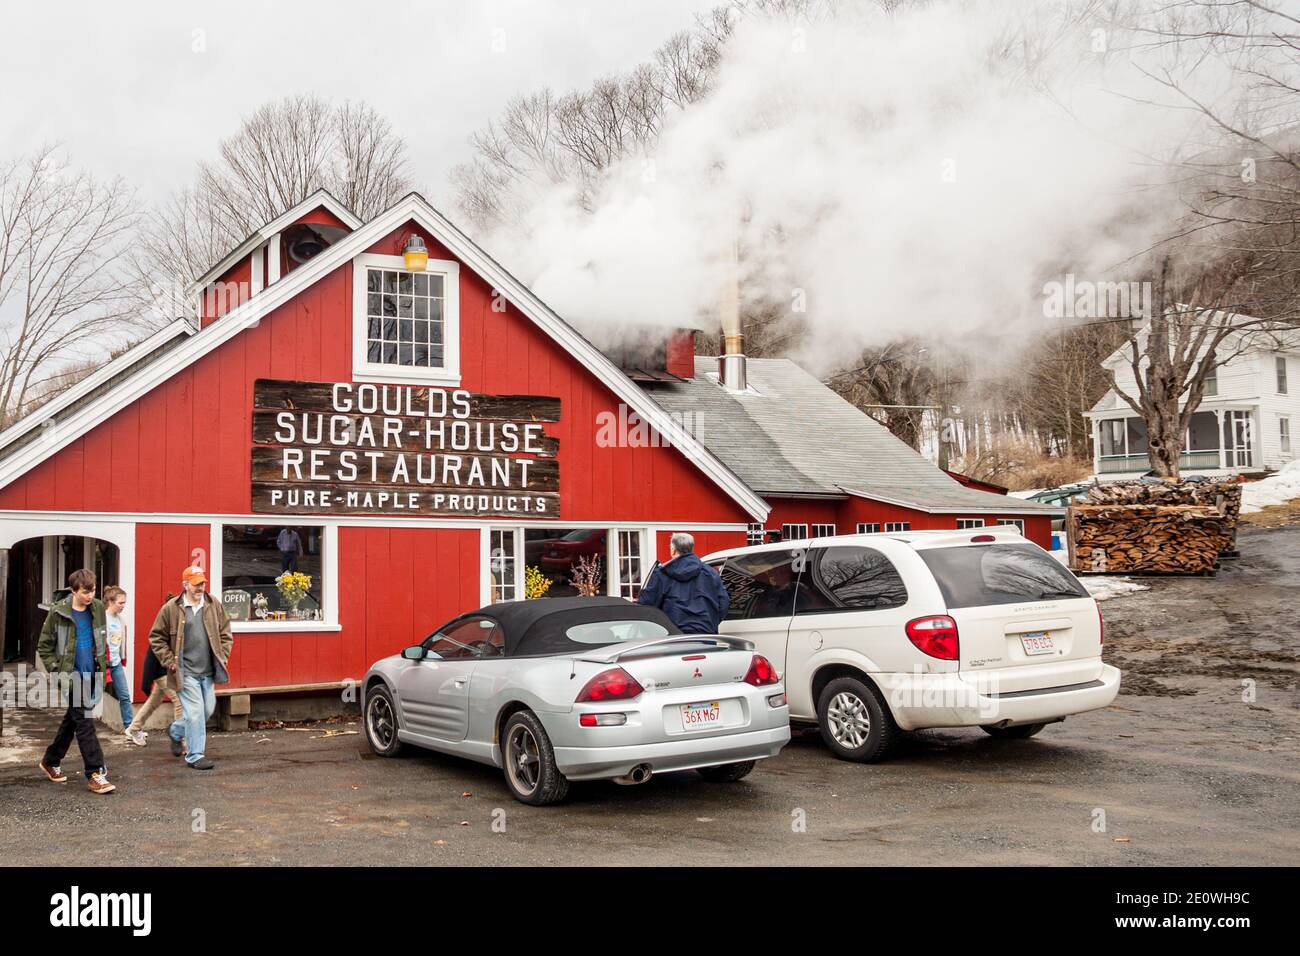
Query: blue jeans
{"points": [[118, 674], [198, 700]]}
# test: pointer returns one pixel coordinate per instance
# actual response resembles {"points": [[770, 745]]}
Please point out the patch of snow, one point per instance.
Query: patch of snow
{"points": [[1103, 587], [1274, 490]]}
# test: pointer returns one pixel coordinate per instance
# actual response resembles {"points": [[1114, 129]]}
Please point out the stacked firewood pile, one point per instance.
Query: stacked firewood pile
{"points": [[1154, 527]]}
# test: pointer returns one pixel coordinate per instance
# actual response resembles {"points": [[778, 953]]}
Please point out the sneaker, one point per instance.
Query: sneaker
{"points": [[203, 763], [54, 773], [178, 748], [136, 737], [98, 783]]}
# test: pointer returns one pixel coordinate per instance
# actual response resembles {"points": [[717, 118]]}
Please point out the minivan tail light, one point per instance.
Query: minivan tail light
{"points": [[935, 635], [761, 672], [1101, 622], [613, 684]]}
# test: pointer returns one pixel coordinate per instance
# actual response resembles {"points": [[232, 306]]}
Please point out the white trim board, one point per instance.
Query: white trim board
{"points": [[412, 207], [357, 521], [1042, 512]]}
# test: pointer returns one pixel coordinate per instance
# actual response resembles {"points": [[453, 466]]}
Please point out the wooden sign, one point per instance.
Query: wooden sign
{"points": [[344, 448]]}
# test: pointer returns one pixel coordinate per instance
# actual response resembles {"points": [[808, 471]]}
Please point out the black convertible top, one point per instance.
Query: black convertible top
{"points": [[539, 626]]}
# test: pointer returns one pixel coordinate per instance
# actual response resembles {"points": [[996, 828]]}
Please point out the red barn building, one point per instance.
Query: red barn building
{"points": [[429, 435]]}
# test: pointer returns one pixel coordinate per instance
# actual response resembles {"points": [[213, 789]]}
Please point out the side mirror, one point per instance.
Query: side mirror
{"points": [[414, 652]]}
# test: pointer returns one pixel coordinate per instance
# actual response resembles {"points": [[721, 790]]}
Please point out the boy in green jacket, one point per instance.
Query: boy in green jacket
{"points": [[73, 642]]}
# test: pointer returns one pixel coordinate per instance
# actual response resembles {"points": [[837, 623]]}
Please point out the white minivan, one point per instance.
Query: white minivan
{"points": [[877, 633]]}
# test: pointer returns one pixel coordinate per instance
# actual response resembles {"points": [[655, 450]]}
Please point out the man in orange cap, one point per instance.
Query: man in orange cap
{"points": [[191, 638]]}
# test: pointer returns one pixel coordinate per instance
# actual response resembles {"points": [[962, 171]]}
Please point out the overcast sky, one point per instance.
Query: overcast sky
{"points": [[145, 89]]}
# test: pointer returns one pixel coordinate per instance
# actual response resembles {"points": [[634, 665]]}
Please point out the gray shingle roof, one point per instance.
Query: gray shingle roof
{"points": [[791, 435]]}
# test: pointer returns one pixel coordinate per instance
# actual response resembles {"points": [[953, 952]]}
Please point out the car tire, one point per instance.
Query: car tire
{"points": [[379, 718], [528, 760], [727, 772], [1020, 732], [854, 721]]}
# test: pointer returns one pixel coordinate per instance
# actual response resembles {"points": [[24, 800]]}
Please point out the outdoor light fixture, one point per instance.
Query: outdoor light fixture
{"points": [[415, 254]]}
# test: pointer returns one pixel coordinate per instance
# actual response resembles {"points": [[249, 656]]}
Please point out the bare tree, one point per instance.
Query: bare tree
{"points": [[1227, 279], [281, 154], [63, 293]]}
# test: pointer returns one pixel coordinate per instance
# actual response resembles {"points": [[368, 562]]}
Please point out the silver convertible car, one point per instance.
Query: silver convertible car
{"points": [[562, 689]]}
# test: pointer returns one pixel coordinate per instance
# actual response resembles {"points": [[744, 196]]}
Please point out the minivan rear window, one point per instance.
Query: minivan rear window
{"points": [[982, 575]]}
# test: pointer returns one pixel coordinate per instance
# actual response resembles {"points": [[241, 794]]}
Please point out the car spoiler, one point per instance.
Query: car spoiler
{"points": [[616, 652]]}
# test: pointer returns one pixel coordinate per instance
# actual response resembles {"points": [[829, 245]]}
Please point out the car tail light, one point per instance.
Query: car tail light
{"points": [[761, 672], [936, 636], [1101, 623], [613, 684], [602, 720], [982, 538]]}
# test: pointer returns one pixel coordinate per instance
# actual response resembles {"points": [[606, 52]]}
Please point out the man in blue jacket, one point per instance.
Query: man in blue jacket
{"points": [[687, 590]]}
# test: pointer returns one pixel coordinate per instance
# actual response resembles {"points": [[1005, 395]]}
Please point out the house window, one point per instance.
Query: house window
{"points": [[1284, 434], [1016, 522], [1211, 384], [1281, 374], [629, 564], [964, 524], [892, 526], [1113, 434], [406, 323], [754, 534], [794, 532], [503, 565], [868, 528], [823, 531], [253, 559]]}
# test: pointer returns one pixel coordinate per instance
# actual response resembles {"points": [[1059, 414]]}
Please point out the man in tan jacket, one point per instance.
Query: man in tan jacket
{"points": [[191, 638]]}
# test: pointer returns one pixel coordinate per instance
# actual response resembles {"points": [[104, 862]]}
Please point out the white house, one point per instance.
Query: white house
{"points": [[1245, 423]]}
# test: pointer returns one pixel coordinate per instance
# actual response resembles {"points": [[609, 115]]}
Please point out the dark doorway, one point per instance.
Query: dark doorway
{"points": [[23, 616]]}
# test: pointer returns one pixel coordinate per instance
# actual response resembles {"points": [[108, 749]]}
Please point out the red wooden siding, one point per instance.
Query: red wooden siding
{"points": [[184, 449]]}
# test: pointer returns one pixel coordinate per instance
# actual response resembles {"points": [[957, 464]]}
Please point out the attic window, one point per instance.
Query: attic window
{"points": [[406, 324]]}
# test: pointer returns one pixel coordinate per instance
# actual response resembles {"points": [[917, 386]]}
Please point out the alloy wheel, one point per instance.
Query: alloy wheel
{"points": [[523, 759], [849, 720], [379, 720]]}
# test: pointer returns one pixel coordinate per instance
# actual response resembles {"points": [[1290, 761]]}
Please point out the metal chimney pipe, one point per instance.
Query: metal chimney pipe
{"points": [[731, 363]]}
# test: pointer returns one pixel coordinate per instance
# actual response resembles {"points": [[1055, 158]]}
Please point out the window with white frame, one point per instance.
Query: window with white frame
{"points": [[629, 564], [565, 559], [868, 527], [823, 531], [891, 526], [1284, 434], [503, 564], [1211, 383], [754, 534], [276, 576], [794, 532], [965, 524], [1281, 374], [406, 324], [1014, 522]]}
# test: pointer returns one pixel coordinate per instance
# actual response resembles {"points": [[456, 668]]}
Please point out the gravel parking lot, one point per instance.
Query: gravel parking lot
{"points": [[1196, 763]]}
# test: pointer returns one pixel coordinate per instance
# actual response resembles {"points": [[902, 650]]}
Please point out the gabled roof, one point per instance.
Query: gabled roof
{"points": [[412, 207], [789, 434], [321, 197]]}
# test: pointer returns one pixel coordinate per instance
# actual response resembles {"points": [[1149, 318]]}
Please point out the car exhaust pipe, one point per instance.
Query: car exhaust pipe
{"points": [[638, 774]]}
